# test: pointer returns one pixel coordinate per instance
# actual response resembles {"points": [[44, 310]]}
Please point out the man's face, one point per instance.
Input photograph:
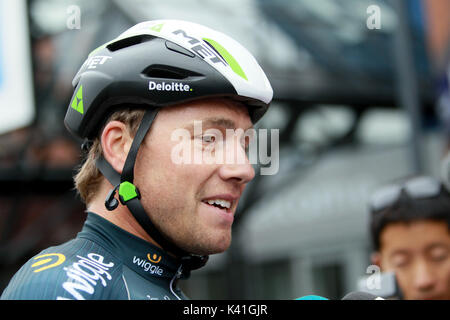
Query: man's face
{"points": [[419, 254], [176, 195]]}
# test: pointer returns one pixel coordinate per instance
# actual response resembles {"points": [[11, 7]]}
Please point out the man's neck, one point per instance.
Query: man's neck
{"points": [[122, 218]]}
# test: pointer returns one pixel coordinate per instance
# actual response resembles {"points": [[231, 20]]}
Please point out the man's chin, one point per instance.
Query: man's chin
{"points": [[212, 247]]}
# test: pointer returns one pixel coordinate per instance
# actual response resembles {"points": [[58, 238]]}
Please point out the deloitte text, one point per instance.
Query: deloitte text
{"points": [[173, 86], [147, 266]]}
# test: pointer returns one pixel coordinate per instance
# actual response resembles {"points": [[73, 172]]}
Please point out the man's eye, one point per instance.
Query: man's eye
{"points": [[209, 138], [400, 261], [439, 254]]}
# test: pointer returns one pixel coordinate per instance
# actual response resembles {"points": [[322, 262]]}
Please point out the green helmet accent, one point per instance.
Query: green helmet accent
{"points": [[127, 191], [77, 101]]}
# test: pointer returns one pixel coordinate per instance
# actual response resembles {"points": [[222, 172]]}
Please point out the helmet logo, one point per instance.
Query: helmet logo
{"points": [[212, 50], [234, 65], [92, 62], [157, 27], [173, 86], [77, 102]]}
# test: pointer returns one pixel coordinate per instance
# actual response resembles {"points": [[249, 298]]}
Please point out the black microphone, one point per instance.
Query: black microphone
{"points": [[359, 295]]}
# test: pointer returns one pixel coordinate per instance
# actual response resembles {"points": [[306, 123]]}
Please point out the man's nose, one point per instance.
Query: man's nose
{"points": [[237, 167], [424, 279]]}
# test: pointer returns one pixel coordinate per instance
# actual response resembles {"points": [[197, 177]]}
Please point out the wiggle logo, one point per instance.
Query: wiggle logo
{"points": [[154, 258], [53, 260]]}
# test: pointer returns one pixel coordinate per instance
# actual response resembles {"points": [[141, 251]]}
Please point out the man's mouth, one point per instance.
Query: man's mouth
{"points": [[223, 206], [219, 203], [225, 202]]}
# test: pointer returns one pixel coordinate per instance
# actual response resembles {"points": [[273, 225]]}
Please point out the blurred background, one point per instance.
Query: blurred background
{"points": [[361, 96]]}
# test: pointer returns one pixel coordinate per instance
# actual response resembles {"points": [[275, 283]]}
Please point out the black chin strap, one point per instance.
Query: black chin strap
{"points": [[129, 195]]}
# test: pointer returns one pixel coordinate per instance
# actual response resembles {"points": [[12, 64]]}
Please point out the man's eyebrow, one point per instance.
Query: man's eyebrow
{"points": [[215, 122]]}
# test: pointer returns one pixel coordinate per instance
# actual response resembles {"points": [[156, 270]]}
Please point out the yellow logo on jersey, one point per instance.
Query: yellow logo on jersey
{"points": [[154, 258], [55, 259]]}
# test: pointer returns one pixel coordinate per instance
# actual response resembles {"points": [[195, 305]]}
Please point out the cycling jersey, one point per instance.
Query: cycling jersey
{"points": [[102, 262]]}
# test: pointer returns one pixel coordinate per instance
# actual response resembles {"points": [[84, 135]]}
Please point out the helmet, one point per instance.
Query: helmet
{"points": [[161, 63], [153, 65]]}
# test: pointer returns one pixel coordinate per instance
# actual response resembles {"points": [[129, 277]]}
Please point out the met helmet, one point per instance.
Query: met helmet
{"points": [[152, 65], [161, 63]]}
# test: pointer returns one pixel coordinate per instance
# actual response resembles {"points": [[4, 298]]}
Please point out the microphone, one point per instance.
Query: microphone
{"points": [[359, 295], [356, 295], [311, 297]]}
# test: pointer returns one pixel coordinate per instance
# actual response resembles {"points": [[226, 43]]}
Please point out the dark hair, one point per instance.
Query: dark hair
{"points": [[407, 209]]}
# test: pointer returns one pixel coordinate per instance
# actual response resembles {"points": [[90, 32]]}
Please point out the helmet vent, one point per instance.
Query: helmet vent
{"points": [[169, 72], [128, 42]]}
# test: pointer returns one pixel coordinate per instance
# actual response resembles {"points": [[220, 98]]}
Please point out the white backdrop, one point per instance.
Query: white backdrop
{"points": [[16, 95]]}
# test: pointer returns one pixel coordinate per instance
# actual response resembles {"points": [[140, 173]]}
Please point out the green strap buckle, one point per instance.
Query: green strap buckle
{"points": [[127, 192]]}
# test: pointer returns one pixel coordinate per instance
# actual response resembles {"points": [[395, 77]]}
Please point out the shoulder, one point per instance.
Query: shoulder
{"points": [[79, 269]]}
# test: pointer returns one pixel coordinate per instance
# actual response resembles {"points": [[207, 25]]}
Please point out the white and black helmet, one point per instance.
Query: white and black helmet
{"points": [[161, 63], [152, 65]]}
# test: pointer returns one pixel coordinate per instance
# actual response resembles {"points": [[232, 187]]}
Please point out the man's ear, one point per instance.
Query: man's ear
{"points": [[375, 258], [116, 142]]}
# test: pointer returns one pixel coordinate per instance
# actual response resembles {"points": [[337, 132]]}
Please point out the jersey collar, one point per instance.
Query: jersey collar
{"points": [[144, 258]]}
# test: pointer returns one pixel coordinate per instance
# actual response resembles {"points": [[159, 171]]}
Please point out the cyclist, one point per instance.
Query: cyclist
{"points": [[151, 219]]}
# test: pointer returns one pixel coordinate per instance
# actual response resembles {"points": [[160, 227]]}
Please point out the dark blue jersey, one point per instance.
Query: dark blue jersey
{"points": [[102, 262]]}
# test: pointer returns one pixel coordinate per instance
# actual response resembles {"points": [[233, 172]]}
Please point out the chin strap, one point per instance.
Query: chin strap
{"points": [[129, 195]]}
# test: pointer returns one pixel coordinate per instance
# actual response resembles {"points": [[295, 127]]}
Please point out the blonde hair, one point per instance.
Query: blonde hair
{"points": [[88, 178]]}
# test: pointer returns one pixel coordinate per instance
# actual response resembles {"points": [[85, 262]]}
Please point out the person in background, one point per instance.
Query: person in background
{"points": [[410, 233]]}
